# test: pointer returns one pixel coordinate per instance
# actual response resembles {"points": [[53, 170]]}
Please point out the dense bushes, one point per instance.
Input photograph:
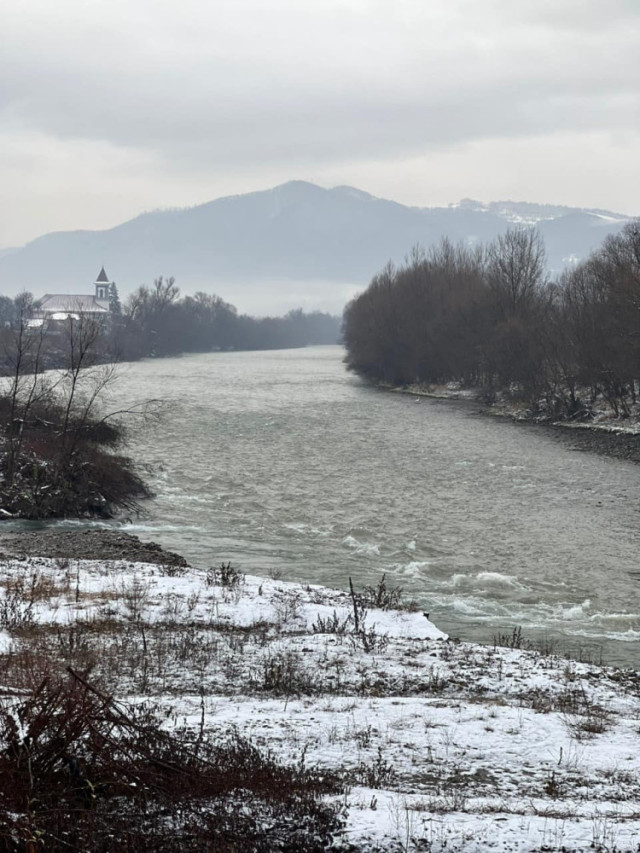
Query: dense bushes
{"points": [[79, 772], [53, 477], [57, 445], [491, 318]]}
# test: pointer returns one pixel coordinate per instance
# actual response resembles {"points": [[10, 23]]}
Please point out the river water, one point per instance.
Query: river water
{"points": [[282, 461]]}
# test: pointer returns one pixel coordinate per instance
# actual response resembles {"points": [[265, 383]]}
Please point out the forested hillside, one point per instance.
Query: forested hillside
{"points": [[490, 317]]}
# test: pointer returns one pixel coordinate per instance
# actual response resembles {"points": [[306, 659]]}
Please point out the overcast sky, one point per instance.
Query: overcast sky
{"points": [[112, 107]]}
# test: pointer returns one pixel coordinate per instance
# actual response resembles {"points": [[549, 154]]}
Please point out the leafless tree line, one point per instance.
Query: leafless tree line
{"points": [[492, 318], [157, 320]]}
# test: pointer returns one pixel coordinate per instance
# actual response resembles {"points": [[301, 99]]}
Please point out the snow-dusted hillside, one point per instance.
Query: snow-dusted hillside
{"points": [[295, 245], [442, 745], [529, 213]]}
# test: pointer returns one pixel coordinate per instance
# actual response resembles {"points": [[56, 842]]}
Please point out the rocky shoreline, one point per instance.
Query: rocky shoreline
{"points": [[85, 545], [615, 439], [594, 439]]}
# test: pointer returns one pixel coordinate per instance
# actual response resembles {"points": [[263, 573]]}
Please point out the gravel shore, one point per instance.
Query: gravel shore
{"points": [[615, 441], [85, 545], [618, 445], [583, 439]]}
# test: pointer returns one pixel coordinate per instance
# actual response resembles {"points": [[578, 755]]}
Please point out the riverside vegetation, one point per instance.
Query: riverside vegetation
{"points": [[490, 318], [61, 447], [157, 320], [151, 707]]}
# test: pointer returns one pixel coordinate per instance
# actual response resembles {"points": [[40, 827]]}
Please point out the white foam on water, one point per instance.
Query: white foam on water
{"points": [[413, 569], [483, 580], [70, 522], [302, 527], [629, 636], [467, 609], [575, 611], [361, 547], [158, 528], [615, 617], [178, 498], [498, 577]]}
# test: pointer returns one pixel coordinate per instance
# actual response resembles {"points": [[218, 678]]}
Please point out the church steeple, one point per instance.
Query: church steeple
{"points": [[102, 285]]}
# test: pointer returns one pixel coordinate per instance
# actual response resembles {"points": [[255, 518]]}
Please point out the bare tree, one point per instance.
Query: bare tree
{"points": [[23, 349], [516, 265]]}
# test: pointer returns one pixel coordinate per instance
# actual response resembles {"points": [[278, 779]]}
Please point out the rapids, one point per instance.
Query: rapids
{"points": [[284, 462]]}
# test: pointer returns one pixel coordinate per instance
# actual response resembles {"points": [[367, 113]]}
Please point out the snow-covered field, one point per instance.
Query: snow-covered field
{"points": [[443, 745]]}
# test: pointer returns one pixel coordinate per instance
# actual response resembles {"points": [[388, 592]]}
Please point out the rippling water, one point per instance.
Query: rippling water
{"points": [[283, 461]]}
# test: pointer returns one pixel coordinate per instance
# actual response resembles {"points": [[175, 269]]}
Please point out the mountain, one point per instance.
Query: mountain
{"points": [[295, 245]]}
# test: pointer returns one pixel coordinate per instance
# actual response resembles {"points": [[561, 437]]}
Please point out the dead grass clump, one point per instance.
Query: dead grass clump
{"points": [[362, 635], [225, 575], [381, 596], [80, 772], [283, 673], [594, 720], [545, 646], [369, 640], [135, 597], [333, 624], [15, 612], [376, 774], [22, 591]]}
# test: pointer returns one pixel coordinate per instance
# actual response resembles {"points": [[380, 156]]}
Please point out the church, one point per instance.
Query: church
{"points": [[61, 306]]}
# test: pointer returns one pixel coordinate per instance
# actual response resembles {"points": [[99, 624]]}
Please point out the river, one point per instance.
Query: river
{"points": [[284, 462]]}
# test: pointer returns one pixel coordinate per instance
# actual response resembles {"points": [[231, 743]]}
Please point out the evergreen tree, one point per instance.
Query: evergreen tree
{"points": [[114, 300]]}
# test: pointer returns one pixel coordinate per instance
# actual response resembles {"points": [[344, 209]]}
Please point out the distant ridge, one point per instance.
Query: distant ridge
{"points": [[296, 244]]}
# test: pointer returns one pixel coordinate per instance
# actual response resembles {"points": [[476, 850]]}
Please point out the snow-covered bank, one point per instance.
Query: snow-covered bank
{"points": [[443, 746]]}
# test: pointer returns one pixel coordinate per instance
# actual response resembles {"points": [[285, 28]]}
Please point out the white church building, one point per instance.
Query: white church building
{"points": [[61, 306]]}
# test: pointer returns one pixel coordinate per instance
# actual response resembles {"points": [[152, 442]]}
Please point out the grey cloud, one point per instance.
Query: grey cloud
{"points": [[151, 92], [289, 84], [221, 113], [573, 15], [268, 118]]}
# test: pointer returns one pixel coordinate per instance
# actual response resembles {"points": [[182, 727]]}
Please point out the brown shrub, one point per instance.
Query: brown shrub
{"points": [[81, 772]]}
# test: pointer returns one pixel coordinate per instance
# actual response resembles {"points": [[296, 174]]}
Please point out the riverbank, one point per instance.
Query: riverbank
{"points": [[605, 435], [94, 544], [440, 745], [294, 464]]}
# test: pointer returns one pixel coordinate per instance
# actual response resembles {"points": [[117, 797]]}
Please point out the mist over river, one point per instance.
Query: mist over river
{"points": [[284, 461]]}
